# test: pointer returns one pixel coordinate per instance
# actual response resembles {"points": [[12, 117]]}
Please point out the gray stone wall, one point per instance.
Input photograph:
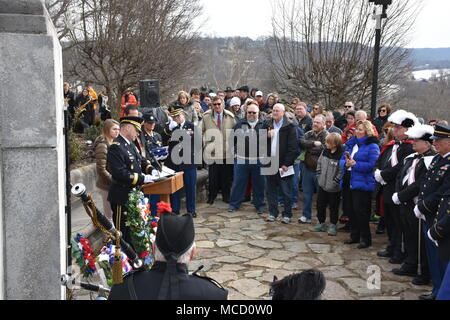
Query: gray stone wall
{"points": [[32, 188]]}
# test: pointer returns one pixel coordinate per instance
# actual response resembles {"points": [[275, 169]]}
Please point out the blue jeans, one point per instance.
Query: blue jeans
{"points": [[190, 185], [310, 186], [437, 266], [276, 186], [294, 196], [241, 173]]}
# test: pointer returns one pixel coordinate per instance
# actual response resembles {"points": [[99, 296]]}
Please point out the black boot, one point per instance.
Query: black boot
{"points": [[430, 296], [385, 254], [406, 270], [421, 280], [381, 228]]}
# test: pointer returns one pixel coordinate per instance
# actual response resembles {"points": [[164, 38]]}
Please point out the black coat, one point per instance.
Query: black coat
{"points": [[407, 192], [440, 231], [148, 283], [379, 122], [305, 124], [388, 172], [287, 142], [435, 184], [175, 147], [127, 168]]}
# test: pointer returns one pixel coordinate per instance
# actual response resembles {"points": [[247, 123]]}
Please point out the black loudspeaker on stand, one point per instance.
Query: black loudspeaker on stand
{"points": [[149, 93]]}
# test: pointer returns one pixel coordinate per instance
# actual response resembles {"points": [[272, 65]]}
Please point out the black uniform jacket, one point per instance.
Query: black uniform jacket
{"points": [[407, 192], [127, 168], [440, 230], [388, 172], [175, 147], [434, 185], [148, 283], [151, 141]]}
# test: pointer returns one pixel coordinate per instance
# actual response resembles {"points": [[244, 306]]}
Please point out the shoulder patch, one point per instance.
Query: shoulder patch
{"points": [[116, 143]]}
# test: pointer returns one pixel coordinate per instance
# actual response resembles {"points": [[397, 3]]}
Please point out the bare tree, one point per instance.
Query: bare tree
{"points": [[322, 50], [117, 42], [62, 15]]}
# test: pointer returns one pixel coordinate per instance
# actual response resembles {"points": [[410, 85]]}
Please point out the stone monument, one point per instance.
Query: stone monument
{"points": [[32, 179]]}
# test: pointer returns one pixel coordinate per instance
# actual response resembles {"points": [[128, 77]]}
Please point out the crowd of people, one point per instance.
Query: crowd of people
{"points": [[394, 166]]}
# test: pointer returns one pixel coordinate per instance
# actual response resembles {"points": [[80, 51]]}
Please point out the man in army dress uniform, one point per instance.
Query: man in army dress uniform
{"points": [[128, 169], [440, 232], [188, 167], [169, 279], [409, 179], [435, 184]]}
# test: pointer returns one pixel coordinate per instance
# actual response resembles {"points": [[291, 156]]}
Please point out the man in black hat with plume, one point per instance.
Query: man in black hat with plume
{"points": [[388, 167], [409, 179], [128, 169], [169, 279]]}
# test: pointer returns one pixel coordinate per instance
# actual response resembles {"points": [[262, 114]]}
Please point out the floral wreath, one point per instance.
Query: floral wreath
{"points": [[83, 253]]}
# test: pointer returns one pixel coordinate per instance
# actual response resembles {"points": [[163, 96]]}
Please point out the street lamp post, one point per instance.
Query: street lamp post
{"points": [[376, 58]]}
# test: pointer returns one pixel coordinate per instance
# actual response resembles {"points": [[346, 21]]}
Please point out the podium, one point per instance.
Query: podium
{"points": [[165, 187]]}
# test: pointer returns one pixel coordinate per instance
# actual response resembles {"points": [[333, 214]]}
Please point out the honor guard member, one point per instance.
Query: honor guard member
{"points": [[435, 184], [168, 278], [152, 139], [188, 167], [128, 170], [440, 233], [388, 167], [414, 169]]}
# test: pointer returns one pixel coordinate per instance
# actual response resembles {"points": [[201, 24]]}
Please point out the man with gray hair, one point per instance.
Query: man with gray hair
{"points": [[313, 143], [329, 123], [282, 139]]}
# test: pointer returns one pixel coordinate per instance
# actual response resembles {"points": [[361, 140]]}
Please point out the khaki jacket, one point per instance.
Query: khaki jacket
{"points": [[103, 176], [217, 148]]}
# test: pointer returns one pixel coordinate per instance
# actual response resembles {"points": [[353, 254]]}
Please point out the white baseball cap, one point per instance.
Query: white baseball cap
{"points": [[258, 94]]}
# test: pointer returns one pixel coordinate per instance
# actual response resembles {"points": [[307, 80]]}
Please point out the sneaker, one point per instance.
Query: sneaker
{"points": [[303, 219], [231, 210], [295, 205], [332, 230], [319, 228], [271, 218], [286, 220]]}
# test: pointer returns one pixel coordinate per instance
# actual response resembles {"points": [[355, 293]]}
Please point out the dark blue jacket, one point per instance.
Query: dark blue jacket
{"points": [[362, 177]]}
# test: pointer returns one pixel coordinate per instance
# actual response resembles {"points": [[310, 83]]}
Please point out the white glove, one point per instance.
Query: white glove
{"points": [[418, 214], [379, 178], [148, 178], [396, 199], [431, 238], [172, 125]]}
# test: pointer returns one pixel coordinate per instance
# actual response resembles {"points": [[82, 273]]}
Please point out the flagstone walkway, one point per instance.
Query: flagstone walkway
{"points": [[243, 252]]}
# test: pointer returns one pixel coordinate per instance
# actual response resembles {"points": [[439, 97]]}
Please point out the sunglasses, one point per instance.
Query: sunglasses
{"points": [[217, 104], [348, 107], [252, 112], [382, 110]]}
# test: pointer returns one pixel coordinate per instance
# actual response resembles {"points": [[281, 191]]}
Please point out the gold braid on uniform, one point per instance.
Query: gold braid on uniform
{"points": [[117, 266]]}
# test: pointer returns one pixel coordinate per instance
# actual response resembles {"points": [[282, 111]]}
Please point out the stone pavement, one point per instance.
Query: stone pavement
{"points": [[243, 252]]}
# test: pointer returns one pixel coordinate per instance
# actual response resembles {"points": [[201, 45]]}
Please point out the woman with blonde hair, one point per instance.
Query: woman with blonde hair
{"points": [[358, 163], [184, 102], [110, 132]]}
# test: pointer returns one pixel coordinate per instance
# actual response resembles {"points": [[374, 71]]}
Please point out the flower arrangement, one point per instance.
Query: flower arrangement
{"points": [[142, 226], [83, 253], [106, 261]]}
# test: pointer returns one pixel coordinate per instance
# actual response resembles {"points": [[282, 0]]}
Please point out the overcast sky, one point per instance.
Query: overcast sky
{"points": [[252, 18]]}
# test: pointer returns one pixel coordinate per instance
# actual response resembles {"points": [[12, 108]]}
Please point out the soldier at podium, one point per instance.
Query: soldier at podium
{"points": [[128, 169], [179, 122]]}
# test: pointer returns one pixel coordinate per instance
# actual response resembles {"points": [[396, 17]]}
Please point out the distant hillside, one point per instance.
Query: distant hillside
{"points": [[431, 58]]}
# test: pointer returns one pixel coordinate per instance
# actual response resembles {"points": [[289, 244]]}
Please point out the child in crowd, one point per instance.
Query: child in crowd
{"points": [[329, 176]]}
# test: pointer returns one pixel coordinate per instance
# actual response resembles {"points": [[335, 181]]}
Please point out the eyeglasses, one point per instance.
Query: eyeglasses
{"points": [[217, 104], [383, 110], [252, 112], [348, 107]]}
